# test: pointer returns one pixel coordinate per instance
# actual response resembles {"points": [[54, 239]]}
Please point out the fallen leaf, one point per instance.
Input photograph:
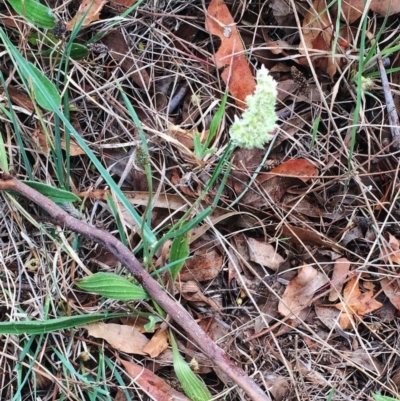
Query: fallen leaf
{"points": [[123, 54], [231, 54], [318, 34], [340, 271], [151, 384], [157, 344], [352, 10], [122, 5], [94, 7], [277, 385], [203, 265], [355, 304], [300, 291], [191, 291], [265, 254], [41, 140], [364, 359], [391, 250], [300, 168], [391, 288], [122, 337]]}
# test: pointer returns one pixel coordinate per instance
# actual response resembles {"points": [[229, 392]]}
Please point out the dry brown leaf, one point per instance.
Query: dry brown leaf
{"points": [[191, 291], [94, 7], [391, 251], [122, 5], [204, 265], [318, 32], [151, 384], [355, 304], [340, 271], [352, 10], [41, 140], [265, 254], [237, 74], [123, 338], [123, 54], [277, 385], [157, 344], [300, 291], [328, 315], [300, 168], [21, 98], [391, 288]]}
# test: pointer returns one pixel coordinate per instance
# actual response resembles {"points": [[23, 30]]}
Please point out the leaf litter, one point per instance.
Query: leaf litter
{"points": [[298, 280]]}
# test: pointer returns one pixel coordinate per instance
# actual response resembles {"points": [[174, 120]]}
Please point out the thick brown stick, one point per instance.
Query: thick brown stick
{"points": [[126, 257]]}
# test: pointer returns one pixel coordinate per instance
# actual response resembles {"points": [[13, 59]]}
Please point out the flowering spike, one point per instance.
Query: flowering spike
{"points": [[254, 129]]}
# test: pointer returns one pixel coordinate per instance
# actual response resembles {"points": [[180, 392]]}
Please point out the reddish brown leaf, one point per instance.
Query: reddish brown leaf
{"points": [[300, 168], [352, 10], [391, 251], [151, 384], [391, 288], [355, 304], [237, 74], [122, 5]]}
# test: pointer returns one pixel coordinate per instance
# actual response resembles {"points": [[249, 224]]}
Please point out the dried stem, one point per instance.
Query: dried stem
{"points": [[126, 257]]}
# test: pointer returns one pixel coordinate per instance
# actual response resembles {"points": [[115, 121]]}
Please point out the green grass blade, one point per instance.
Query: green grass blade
{"points": [[46, 326]]}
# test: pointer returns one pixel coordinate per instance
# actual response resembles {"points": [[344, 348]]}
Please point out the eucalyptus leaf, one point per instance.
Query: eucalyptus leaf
{"points": [[55, 194], [112, 286], [35, 13], [61, 323]]}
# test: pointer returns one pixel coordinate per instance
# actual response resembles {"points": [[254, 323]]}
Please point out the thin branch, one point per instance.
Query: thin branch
{"points": [[390, 105], [126, 257]]}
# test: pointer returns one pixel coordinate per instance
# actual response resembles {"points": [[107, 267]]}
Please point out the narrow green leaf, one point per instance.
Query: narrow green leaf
{"points": [[192, 385], [46, 86], [46, 326], [178, 253], [378, 397], [112, 286], [55, 194], [35, 12], [3, 155]]}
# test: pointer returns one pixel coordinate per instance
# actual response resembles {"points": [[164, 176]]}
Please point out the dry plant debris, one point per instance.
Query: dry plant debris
{"points": [[294, 273]]}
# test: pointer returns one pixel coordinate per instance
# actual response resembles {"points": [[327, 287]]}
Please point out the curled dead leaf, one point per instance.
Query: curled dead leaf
{"points": [[300, 291], [355, 304]]}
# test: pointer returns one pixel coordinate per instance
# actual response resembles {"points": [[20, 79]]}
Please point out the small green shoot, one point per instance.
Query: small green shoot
{"points": [[201, 150], [3, 155], [192, 385], [378, 397], [112, 286], [178, 254]]}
